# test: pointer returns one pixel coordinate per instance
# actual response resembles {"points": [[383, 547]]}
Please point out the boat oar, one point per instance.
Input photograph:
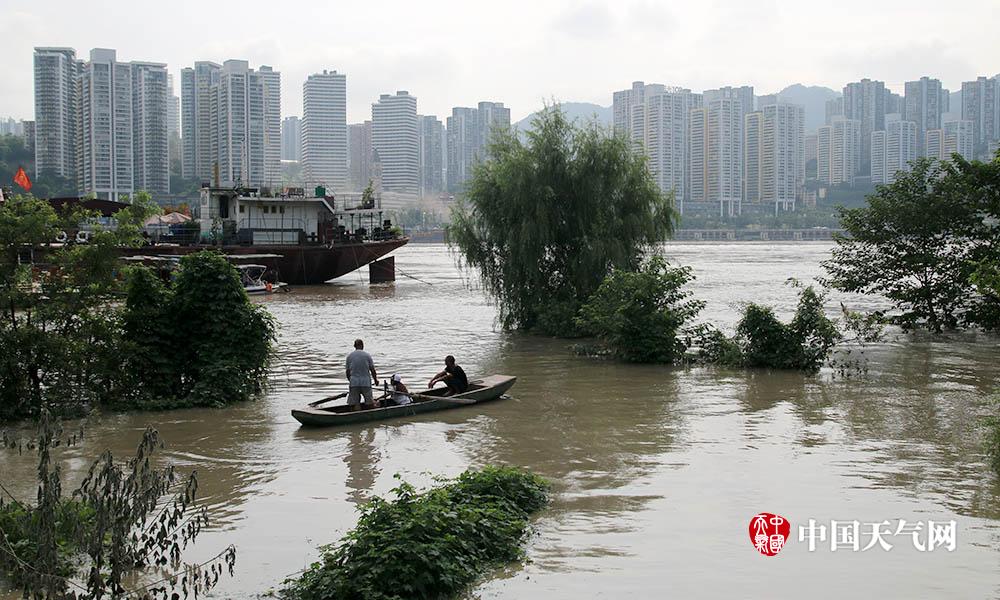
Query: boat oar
{"points": [[444, 398], [327, 399]]}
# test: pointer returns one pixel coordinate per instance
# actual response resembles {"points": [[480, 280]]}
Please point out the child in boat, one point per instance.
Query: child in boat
{"points": [[400, 395]]}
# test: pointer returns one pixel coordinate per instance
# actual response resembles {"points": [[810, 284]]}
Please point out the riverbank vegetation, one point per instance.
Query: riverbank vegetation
{"points": [[125, 519], [69, 344], [544, 221], [428, 545]]}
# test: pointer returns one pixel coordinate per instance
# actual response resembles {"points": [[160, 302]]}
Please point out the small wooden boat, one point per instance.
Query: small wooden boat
{"points": [[480, 390]]}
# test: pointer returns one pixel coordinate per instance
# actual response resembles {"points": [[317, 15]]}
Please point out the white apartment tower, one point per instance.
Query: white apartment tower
{"points": [[152, 106], [623, 102], [893, 150], [232, 123], [716, 166], [838, 151], [104, 146], [959, 138], [395, 140], [782, 157], [660, 128], [56, 71], [324, 130], [753, 157], [272, 124], [922, 105], [198, 89]]}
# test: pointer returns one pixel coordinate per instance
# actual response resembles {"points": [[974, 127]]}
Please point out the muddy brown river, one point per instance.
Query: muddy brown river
{"points": [[656, 471]]}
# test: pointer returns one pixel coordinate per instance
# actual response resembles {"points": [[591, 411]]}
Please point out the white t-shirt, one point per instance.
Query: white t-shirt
{"points": [[401, 398]]}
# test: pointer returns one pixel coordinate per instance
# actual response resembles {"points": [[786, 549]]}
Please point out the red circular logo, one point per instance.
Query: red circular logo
{"points": [[769, 532]]}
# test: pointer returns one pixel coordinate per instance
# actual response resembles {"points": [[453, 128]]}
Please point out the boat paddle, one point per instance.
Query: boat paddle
{"points": [[328, 398]]}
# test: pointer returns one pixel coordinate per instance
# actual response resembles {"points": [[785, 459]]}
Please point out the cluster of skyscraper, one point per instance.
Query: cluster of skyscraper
{"points": [[111, 127], [102, 123], [398, 150], [716, 148], [871, 131]]}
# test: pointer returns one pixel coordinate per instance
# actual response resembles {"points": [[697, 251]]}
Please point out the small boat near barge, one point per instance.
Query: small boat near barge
{"points": [[482, 390]]}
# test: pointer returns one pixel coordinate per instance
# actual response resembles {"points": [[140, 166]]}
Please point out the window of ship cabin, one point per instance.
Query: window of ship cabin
{"points": [[281, 209], [241, 209]]}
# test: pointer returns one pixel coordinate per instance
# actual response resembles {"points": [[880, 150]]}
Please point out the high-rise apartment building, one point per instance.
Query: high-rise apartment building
{"points": [[959, 138], [934, 144], [56, 118], [834, 109], [742, 94], [324, 130], [773, 155], [431, 132], [272, 124], [922, 106], [173, 120], [395, 139], [198, 91], [623, 102], [104, 145], [838, 151], [716, 166], [660, 128], [782, 158], [291, 139], [152, 105], [980, 107], [864, 101], [122, 143], [893, 150], [360, 155], [753, 157], [232, 123], [468, 136]]}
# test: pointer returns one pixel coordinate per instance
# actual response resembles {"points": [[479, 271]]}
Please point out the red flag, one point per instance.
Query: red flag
{"points": [[21, 179]]}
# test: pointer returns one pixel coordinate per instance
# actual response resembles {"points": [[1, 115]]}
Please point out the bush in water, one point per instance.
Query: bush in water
{"points": [[428, 545]]}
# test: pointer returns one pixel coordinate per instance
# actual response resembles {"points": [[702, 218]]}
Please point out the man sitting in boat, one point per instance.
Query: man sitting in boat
{"points": [[399, 394], [360, 374], [453, 376]]}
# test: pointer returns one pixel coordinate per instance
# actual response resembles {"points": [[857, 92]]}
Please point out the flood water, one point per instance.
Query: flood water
{"points": [[656, 471]]}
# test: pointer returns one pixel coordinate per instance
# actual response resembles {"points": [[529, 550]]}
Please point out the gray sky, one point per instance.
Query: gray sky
{"points": [[455, 53]]}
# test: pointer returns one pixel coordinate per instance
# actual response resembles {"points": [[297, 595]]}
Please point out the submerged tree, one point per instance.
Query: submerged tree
{"points": [[544, 221], [919, 240], [640, 316]]}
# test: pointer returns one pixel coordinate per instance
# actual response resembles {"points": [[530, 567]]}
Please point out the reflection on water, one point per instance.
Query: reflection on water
{"points": [[656, 470]]}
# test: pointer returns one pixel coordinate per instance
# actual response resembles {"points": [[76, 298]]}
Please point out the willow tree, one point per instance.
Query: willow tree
{"points": [[546, 219]]}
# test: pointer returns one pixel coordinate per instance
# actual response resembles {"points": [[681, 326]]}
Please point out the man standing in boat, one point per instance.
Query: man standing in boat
{"points": [[453, 376], [360, 375]]}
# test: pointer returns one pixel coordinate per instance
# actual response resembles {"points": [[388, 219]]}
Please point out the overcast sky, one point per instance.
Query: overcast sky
{"points": [[456, 53]]}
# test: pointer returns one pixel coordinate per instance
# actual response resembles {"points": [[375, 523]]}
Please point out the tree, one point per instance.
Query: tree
{"points": [[544, 221], [640, 315], [917, 243]]}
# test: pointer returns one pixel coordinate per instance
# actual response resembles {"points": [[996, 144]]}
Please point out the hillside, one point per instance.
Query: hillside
{"points": [[813, 98], [574, 110]]}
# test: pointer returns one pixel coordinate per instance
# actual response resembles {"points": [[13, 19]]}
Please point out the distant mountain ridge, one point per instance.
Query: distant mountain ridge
{"points": [[582, 111], [813, 98]]}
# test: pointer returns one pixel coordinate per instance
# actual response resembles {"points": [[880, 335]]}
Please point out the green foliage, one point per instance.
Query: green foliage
{"points": [[123, 519], [67, 342], [918, 242], [545, 221], [639, 315], [763, 341], [430, 545]]}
